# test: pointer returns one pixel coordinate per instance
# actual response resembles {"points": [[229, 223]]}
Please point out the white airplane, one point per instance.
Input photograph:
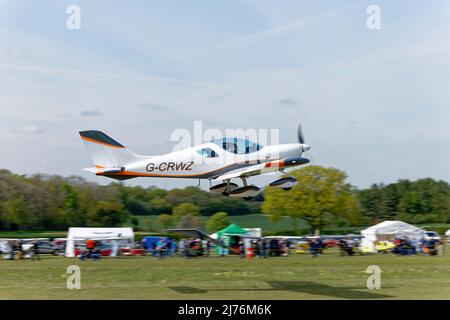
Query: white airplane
{"points": [[219, 161]]}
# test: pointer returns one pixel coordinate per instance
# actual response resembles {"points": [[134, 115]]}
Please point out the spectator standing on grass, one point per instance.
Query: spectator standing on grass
{"points": [[207, 248], [159, 248], [261, 248], [173, 248], [422, 246], [13, 249], [185, 248], [241, 249], [341, 245], [180, 250], [35, 251], [20, 249], [348, 246], [90, 245]]}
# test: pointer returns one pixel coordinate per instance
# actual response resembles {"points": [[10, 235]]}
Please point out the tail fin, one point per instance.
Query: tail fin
{"points": [[105, 151]]}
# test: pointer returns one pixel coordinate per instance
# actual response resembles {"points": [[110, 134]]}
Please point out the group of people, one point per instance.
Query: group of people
{"points": [[17, 249], [316, 246], [91, 251], [348, 246], [194, 248], [187, 248], [405, 246], [263, 248]]}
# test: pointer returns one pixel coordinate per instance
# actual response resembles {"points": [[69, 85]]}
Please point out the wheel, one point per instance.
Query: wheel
{"points": [[287, 189], [248, 198]]}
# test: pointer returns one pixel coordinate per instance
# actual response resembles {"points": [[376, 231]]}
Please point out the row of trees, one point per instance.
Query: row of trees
{"points": [[322, 198], [421, 201], [54, 202], [188, 219]]}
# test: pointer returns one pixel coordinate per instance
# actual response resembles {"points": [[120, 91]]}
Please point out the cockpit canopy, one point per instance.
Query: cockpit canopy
{"points": [[237, 145]]}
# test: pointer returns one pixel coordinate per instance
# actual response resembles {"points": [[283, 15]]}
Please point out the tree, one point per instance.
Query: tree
{"points": [[421, 201], [159, 205], [134, 221], [148, 224], [320, 196], [69, 213], [15, 212], [189, 221], [165, 220], [109, 214], [184, 209], [217, 222]]}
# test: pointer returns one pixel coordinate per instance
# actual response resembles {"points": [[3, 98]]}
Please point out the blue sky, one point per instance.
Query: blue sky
{"points": [[372, 103]]}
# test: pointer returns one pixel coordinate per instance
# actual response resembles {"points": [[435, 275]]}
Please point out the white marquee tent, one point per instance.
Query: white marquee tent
{"points": [[388, 230], [447, 234], [82, 234]]}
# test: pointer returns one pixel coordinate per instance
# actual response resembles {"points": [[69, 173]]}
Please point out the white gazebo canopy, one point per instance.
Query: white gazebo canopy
{"points": [[81, 234], [389, 230]]}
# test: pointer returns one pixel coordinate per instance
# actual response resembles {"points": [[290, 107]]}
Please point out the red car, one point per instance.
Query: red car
{"points": [[127, 251], [331, 243]]}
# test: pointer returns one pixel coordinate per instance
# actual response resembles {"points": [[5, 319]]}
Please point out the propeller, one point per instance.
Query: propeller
{"points": [[301, 138]]}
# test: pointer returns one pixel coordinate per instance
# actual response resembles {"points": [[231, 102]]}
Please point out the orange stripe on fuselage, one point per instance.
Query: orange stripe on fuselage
{"points": [[142, 174], [275, 164], [100, 142]]}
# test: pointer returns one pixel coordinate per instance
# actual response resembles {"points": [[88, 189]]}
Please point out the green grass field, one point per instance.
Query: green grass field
{"points": [[295, 277]]}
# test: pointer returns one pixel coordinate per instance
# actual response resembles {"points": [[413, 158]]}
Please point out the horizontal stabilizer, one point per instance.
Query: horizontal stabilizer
{"points": [[103, 171]]}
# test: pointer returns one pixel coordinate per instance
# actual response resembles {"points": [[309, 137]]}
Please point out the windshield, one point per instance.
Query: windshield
{"points": [[237, 145]]}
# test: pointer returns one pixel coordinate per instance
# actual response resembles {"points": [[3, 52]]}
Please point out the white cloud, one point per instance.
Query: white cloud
{"points": [[28, 129], [91, 113]]}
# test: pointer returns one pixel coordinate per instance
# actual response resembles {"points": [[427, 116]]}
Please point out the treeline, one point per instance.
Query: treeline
{"points": [[55, 203], [419, 202]]}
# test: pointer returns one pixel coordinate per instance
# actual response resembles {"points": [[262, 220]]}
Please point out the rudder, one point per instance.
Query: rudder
{"points": [[105, 151]]}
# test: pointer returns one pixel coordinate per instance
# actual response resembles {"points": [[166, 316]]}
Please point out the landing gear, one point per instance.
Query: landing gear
{"points": [[223, 187], [284, 183], [230, 189], [245, 192]]}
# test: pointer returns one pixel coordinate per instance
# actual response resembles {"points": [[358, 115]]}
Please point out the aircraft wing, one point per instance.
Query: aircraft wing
{"points": [[263, 168]]}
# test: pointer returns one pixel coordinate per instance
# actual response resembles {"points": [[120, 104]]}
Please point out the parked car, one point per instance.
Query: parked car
{"points": [[128, 251], [431, 235], [46, 247], [60, 246], [384, 246]]}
